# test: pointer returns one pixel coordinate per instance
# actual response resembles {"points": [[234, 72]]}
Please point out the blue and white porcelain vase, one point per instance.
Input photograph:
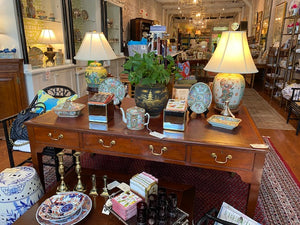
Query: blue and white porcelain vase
{"points": [[20, 188]]}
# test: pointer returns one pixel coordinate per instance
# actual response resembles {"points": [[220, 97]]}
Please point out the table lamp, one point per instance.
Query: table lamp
{"points": [[231, 57], [48, 37], [95, 47]]}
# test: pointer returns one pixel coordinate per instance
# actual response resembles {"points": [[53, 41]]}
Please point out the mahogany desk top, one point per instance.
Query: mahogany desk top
{"points": [[193, 147]]}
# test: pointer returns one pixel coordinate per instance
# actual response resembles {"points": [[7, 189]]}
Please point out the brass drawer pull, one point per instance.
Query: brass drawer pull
{"points": [[214, 155], [162, 150], [60, 136], [113, 142]]}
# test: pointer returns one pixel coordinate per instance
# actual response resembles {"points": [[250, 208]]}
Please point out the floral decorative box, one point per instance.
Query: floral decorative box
{"points": [[68, 109]]}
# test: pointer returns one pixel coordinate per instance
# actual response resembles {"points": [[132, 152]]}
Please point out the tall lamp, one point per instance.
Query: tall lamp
{"points": [[231, 57], [95, 47], [48, 37]]}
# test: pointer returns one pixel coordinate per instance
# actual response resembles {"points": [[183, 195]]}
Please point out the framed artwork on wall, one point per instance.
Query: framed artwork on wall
{"points": [[280, 11]]}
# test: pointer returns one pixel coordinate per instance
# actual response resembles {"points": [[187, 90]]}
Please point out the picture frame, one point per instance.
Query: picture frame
{"points": [[280, 11]]}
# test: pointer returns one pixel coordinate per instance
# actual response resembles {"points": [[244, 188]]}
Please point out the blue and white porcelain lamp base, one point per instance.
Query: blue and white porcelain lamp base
{"points": [[228, 87]]}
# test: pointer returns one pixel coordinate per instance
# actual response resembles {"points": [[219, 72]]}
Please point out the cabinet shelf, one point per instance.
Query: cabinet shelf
{"points": [[45, 20]]}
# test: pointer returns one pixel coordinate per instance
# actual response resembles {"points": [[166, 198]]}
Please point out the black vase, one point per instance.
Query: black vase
{"points": [[152, 98]]}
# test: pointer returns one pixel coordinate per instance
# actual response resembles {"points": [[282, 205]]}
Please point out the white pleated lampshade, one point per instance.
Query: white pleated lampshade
{"points": [[232, 55], [95, 47], [47, 37]]}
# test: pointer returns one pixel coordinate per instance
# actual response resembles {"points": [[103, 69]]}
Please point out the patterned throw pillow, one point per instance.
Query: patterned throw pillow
{"points": [[50, 101]]}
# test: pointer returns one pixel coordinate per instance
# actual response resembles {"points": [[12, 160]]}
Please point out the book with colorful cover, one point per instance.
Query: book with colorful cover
{"points": [[176, 105]]}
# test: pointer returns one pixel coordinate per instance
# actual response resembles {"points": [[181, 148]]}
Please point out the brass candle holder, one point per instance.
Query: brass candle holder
{"points": [[93, 191], [61, 169], [105, 191], [79, 186]]}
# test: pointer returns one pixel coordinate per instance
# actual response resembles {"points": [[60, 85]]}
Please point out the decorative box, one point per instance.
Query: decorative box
{"points": [[20, 188], [174, 116], [101, 108], [68, 109], [144, 184]]}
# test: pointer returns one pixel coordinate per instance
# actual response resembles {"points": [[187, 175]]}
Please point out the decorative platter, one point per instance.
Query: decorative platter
{"points": [[224, 121], [199, 98], [78, 215], [114, 86], [62, 205]]}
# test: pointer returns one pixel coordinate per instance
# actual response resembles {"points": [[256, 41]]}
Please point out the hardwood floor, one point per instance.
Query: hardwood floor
{"points": [[286, 142]]}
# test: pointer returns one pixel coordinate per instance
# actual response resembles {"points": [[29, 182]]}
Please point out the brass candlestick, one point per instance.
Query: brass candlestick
{"points": [[79, 186], [61, 169], [93, 191], [105, 192]]}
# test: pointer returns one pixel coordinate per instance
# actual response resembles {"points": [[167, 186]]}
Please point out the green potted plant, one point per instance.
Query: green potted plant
{"points": [[151, 73]]}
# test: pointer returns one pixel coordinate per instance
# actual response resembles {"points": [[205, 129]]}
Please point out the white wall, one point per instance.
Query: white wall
{"points": [[8, 26]]}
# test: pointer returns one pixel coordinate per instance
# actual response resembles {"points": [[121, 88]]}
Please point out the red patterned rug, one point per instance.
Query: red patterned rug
{"points": [[278, 201]]}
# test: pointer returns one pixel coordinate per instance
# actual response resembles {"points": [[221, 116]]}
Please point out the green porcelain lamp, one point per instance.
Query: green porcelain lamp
{"points": [[231, 58], [95, 47]]}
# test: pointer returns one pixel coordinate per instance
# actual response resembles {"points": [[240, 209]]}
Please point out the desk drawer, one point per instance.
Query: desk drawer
{"points": [[57, 137], [129, 146], [214, 156]]}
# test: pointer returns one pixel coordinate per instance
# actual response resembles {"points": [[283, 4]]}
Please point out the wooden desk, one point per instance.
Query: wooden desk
{"points": [[185, 194], [193, 147]]}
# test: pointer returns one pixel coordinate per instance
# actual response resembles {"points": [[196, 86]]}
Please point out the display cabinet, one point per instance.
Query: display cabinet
{"points": [[43, 32], [113, 26], [139, 28], [84, 16]]}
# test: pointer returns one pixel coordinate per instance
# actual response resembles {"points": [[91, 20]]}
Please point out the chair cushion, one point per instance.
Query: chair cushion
{"points": [[50, 101]]}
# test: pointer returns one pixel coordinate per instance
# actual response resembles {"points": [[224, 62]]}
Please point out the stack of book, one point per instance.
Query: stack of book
{"points": [[144, 184], [125, 204]]}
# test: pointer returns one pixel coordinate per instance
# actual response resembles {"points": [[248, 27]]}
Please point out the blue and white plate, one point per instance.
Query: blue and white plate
{"points": [[199, 98], [114, 86]]}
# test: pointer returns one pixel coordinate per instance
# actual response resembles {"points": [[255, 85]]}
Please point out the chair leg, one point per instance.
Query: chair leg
{"points": [[289, 115], [298, 127]]}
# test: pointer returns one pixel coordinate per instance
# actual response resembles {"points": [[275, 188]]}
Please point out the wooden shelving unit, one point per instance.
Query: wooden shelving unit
{"points": [[287, 57]]}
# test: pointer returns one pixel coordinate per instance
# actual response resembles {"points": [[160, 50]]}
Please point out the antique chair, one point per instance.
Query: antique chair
{"points": [[56, 91], [295, 108]]}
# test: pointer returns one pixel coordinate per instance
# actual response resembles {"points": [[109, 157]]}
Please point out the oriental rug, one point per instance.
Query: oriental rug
{"points": [[278, 201], [263, 114]]}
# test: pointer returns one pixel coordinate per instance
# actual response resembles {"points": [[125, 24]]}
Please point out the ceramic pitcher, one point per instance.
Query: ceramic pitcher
{"points": [[135, 118]]}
